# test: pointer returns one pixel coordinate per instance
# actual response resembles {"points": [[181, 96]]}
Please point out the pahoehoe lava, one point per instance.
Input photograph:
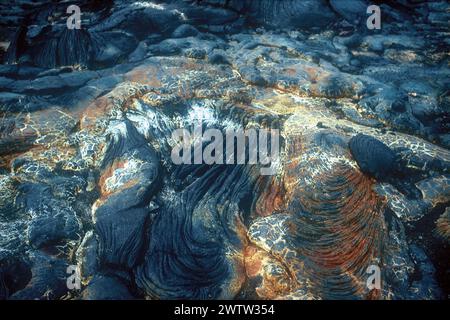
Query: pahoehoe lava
{"points": [[88, 181]]}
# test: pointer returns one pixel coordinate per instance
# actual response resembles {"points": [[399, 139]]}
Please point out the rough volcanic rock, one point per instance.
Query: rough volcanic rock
{"points": [[51, 220], [373, 156], [282, 13], [103, 287], [87, 177], [443, 225], [87, 256], [128, 180], [184, 31], [353, 10], [48, 279], [14, 275], [197, 266]]}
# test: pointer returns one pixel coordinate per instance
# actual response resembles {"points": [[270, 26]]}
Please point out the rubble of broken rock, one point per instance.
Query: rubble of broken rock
{"points": [[86, 177]]}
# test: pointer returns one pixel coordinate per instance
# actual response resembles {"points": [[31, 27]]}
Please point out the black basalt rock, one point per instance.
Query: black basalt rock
{"points": [[373, 156], [52, 220], [186, 257], [15, 273], [131, 166], [185, 30], [64, 48], [103, 287], [48, 279]]}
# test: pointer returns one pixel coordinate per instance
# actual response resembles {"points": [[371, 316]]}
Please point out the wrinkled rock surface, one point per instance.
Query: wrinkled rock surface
{"points": [[87, 178]]}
